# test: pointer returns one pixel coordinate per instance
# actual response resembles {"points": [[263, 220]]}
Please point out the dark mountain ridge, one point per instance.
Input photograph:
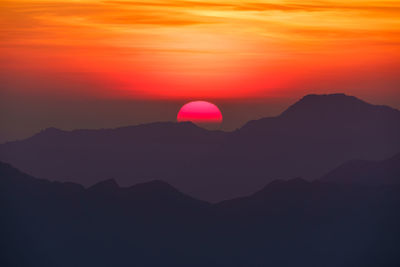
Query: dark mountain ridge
{"points": [[335, 116], [366, 172], [286, 223], [158, 132]]}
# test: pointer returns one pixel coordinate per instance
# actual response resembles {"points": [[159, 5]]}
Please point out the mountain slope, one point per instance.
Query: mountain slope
{"points": [[311, 137], [151, 195], [366, 172], [152, 224]]}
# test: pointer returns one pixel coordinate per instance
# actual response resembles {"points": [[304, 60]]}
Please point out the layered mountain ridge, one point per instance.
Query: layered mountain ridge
{"points": [[309, 139], [317, 223]]}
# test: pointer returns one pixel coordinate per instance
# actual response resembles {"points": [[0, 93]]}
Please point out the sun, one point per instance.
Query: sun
{"points": [[200, 112]]}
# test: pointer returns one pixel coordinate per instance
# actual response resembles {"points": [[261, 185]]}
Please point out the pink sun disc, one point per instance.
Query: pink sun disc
{"points": [[200, 112]]}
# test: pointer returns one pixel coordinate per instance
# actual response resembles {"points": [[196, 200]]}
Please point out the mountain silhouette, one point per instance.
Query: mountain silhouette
{"points": [[310, 138], [286, 223], [365, 172]]}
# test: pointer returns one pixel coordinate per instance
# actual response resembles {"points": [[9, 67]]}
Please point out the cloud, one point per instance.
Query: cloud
{"points": [[267, 5], [195, 39]]}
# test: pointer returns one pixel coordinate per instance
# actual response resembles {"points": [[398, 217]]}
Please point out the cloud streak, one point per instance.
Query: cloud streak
{"points": [[195, 48]]}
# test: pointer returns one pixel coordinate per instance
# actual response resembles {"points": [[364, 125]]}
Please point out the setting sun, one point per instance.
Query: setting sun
{"points": [[200, 112]]}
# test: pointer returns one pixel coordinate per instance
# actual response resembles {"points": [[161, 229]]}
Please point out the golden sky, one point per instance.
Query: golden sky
{"points": [[199, 49]]}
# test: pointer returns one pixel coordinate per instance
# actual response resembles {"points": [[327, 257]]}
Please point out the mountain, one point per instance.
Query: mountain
{"points": [[310, 138], [366, 172], [152, 194], [324, 113], [14, 181], [286, 223]]}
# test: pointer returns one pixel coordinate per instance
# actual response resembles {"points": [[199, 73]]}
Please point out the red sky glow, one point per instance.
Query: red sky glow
{"points": [[139, 61]]}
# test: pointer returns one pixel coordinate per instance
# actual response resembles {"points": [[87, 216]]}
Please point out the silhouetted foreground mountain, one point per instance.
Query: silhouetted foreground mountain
{"points": [[310, 138], [287, 223], [365, 172]]}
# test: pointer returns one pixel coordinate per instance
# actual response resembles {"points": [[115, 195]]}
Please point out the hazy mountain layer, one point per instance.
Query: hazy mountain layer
{"points": [[313, 136]]}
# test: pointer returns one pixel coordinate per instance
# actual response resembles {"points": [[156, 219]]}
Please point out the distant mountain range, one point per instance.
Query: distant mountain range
{"points": [[309, 139], [365, 172], [286, 223]]}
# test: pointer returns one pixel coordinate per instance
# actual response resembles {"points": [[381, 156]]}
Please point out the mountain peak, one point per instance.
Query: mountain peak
{"points": [[336, 95], [332, 110], [51, 130], [153, 186], [161, 194], [336, 108], [330, 97], [333, 104], [108, 185]]}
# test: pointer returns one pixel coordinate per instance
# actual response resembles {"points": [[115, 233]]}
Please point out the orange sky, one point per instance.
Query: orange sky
{"points": [[199, 49]]}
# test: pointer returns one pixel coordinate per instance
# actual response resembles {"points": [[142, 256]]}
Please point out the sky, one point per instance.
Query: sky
{"points": [[90, 63]]}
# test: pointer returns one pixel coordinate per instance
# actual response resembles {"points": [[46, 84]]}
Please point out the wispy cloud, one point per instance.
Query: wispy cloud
{"points": [[177, 38], [25, 17]]}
